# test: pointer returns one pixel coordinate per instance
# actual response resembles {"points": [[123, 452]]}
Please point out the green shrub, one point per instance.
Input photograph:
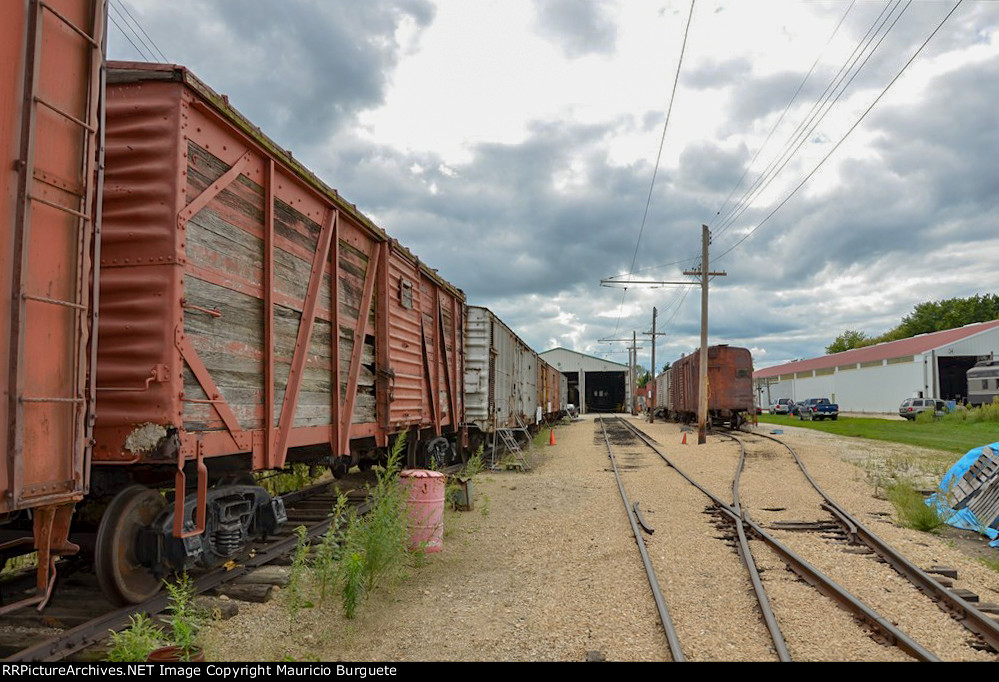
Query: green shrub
{"points": [[134, 643]]}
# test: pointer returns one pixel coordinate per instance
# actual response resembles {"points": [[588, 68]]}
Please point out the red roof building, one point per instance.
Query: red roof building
{"points": [[878, 378]]}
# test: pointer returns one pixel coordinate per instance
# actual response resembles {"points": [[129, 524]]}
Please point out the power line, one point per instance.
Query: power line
{"points": [[846, 135], [655, 170], [786, 108], [122, 5], [817, 114], [142, 55]]}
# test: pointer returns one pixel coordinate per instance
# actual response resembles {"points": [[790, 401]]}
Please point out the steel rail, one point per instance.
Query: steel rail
{"points": [[671, 637], [86, 634], [799, 565], [961, 610], [780, 645]]}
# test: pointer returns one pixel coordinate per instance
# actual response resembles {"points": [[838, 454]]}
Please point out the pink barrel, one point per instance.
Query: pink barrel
{"points": [[426, 508]]}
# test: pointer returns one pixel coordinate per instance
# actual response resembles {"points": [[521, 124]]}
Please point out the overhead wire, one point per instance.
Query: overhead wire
{"points": [[655, 170], [149, 42], [142, 55], [787, 108], [845, 135], [817, 114], [811, 120]]}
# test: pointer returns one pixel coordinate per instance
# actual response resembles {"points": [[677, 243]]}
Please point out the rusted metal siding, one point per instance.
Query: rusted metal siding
{"points": [[730, 381], [260, 258], [138, 364], [50, 66]]}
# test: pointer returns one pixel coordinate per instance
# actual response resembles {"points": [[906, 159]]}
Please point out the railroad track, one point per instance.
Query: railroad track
{"points": [[860, 539], [743, 526], [76, 619]]}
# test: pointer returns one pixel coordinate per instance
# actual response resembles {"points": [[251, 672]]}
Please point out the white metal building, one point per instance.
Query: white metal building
{"points": [[878, 378], [594, 384]]}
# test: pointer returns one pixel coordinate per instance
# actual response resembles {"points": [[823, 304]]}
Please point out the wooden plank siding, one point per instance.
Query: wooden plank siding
{"points": [[225, 251]]}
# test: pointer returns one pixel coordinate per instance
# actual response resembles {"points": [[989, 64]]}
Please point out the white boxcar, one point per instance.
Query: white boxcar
{"points": [[501, 374], [662, 393]]}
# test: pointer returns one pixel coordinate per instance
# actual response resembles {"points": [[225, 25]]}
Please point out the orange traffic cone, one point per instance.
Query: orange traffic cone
{"points": [[684, 441], [551, 437]]}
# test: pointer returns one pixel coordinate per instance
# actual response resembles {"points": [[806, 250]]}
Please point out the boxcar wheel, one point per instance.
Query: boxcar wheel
{"points": [[439, 453], [122, 578], [339, 467]]}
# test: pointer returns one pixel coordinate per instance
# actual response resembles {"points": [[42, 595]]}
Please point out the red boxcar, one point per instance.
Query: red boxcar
{"points": [[51, 58], [730, 385], [249, 316]]}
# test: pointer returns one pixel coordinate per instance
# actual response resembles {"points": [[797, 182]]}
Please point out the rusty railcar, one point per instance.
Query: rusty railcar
{"points": [[51, 65], [249, 317], [730, 386], [553, 391]]}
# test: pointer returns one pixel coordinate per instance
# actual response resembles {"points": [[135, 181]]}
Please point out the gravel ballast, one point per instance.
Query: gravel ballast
{"points": [[545, 568]]}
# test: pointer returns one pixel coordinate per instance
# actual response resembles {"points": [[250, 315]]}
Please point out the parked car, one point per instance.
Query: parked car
{"points": [[910, 407], [782, 406], [817, 408]]}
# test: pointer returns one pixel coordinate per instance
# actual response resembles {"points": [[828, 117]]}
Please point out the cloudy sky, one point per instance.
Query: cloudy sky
{"points": [[512, 145]]}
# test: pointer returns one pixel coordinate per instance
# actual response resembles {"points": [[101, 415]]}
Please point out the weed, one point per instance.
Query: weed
{"points": [[910, 508], [134, 643], [295, 477], [475, 464], [184, 619], [299, 566], [352, 575], [484, 508], [375, 545], [17, 563], [328, 552]]}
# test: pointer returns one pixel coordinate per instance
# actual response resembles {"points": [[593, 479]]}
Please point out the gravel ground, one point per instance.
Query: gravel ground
{"points": [[546, 568]]}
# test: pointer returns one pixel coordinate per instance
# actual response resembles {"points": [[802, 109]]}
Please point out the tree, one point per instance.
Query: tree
{"points": [[644, 378], [926, 317], [847, 340]]}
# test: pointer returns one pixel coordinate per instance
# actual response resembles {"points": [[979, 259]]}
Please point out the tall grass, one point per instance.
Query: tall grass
{"points": [[911, 509], [987, 413]]}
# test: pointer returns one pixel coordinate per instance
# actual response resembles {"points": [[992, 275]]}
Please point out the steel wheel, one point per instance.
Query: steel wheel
{"points": [[121, 577], [439, 453]]}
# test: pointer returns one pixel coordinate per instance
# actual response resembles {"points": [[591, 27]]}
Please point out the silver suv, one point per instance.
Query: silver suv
{"points": [[782, 406], [910, 407]]}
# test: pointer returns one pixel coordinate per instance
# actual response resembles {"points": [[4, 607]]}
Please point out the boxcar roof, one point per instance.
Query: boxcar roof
{"points": [[135, 72]]}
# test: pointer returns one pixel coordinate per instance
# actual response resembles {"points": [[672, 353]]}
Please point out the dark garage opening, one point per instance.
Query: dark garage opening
{"points": [[572, 379], [954, 376], [605, 391]]}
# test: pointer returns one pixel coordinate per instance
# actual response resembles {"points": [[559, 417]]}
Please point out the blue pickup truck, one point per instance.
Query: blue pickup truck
{"points": [[817, 408]]}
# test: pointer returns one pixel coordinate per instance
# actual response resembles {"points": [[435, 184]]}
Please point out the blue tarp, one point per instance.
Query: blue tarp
{"points": [[963, 518]]}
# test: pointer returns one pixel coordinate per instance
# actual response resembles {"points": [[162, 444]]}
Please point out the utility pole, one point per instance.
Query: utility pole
{"points": [[652, 392], [634, 365], [702, 389]]}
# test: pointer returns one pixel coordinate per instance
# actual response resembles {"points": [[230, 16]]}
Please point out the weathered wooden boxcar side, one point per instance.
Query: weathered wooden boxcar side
{"points": [[51, 60], [730, 385], [250, 316]]}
